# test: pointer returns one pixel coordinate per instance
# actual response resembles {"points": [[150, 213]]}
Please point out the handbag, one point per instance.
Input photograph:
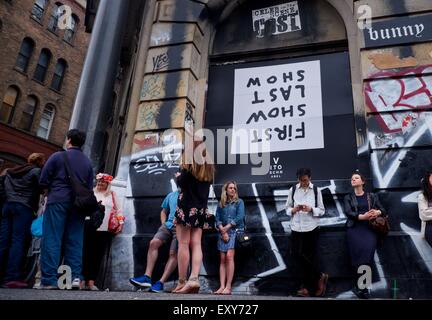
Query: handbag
{"points": [[113, 222], [243, 239], [380, 224], [85, 201], [37, 227], [37, 224]]}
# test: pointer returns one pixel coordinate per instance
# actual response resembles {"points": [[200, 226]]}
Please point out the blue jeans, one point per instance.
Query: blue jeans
{"points": [[63, 230], [14, 236]]}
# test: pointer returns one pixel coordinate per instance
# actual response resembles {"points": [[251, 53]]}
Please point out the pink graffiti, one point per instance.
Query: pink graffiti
{"points": [[409, 90]]}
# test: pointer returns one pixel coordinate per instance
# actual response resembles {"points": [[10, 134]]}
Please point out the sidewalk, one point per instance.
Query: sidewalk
{"points": [[32, 294]]}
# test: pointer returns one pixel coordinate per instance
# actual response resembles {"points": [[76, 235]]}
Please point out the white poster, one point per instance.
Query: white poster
{"points": [[278, 108], [277, 19]]}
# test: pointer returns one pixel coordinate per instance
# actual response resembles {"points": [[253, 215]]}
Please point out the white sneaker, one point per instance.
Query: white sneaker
{"points": [[92, 288], [76, 284]]}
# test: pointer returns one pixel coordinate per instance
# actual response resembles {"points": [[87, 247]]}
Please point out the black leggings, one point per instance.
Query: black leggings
{"points": [[94, 249]]}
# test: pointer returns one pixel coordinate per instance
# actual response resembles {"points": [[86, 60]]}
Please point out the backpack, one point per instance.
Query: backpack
{"points": [[85, 201], [315, 190]]}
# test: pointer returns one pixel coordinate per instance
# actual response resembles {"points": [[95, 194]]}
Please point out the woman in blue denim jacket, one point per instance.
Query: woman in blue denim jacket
{"points": [[230, 215]]}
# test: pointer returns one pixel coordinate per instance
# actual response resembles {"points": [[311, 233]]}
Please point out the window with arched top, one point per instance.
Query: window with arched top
{"points": [[39, 9], [69, 34], [46, 122], [9, 103], [42, 66], [24, 55], [59, 73], [54, 18], [27, 115]]}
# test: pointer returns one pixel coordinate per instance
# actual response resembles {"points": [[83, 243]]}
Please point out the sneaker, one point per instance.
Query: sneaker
{"points": [[157, 287], [76, 284], [141, 282], [92, 288]]}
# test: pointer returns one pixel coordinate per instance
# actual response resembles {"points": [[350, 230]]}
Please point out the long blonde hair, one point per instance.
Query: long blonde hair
{"points": [[224, 195], [202, 171]]}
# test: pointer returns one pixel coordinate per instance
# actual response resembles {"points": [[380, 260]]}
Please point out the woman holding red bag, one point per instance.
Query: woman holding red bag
{"points": [[97, 241]]}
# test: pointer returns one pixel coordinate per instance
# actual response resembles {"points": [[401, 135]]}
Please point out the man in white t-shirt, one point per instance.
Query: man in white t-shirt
{"points": [[305, 205]]}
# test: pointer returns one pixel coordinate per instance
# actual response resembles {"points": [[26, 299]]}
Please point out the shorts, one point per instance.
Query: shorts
{"points": [[164, 234]]}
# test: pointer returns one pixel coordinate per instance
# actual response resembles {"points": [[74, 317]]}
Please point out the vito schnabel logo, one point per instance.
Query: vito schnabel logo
{"points": [[276, 168]]}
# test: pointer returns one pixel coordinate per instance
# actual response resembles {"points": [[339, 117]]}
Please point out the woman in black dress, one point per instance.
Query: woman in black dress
{"points": [[192, 216], [360, 207]]}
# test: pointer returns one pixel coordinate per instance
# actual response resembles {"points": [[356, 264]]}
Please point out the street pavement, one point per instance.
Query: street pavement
{"points": [[33, 294]]}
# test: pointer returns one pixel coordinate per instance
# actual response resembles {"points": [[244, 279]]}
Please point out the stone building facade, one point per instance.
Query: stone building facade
{"points": [[366, 94], [40, 71]]}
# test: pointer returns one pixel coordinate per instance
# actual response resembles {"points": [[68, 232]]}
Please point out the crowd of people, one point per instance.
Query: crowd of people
{"points": [[67, 237], [73, 239]]}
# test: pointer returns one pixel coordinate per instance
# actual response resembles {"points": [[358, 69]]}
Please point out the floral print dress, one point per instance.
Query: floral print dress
{"points": [[192, 208]]}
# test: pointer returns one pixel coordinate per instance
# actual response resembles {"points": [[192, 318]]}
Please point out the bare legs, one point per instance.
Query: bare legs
{"points": [[188, 238], [226, 272], [152, 255], [170, 266], [197, 255], [222, 273], [183, 238]]}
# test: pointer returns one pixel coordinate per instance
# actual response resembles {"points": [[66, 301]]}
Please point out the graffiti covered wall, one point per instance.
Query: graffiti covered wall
{"points": [[388, 136]]}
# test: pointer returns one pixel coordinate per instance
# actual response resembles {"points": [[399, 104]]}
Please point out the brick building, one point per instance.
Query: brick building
{"points": [[43, 49]]}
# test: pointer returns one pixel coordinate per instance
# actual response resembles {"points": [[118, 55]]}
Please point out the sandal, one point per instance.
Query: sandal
{"points": [[192, 286], [180, 285]]}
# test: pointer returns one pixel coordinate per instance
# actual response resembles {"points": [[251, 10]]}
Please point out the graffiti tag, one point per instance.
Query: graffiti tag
{"points": [[161, 61], [399, 91], [154, 164], [152, 87]]}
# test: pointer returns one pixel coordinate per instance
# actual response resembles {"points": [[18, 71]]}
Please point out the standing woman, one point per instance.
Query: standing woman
{"points": [[229, 217], [22, 192], [96, 241], [360, 207], [192, 216], [425, 205]]}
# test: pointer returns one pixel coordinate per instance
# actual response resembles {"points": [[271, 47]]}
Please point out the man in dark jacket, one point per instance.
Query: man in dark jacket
{"points": [[21, 186], [63, 226]]}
